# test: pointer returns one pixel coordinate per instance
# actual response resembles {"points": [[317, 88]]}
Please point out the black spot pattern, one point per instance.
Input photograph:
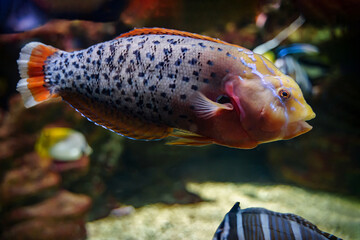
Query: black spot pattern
{"points": [[145, 76], [186, 79], [193, 61], [178, 62]]}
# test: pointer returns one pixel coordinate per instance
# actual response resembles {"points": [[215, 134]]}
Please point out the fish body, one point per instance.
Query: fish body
{"points": [[263, 224], [148, 83]]}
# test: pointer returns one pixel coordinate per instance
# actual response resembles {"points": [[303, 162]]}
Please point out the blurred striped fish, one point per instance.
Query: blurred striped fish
{"points": [[262, 224]]}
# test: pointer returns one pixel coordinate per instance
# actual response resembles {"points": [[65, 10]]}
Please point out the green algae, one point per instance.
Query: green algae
{"points": [[330, 212]]}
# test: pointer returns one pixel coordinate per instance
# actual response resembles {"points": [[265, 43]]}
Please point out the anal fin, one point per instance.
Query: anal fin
{"points": [[185, 138]]}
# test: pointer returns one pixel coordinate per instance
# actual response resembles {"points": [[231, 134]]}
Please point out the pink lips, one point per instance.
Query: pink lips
{"points": [[229, 89]]}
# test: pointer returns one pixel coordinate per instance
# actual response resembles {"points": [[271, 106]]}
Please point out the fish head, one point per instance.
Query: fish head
{"points": [[270, 107]]}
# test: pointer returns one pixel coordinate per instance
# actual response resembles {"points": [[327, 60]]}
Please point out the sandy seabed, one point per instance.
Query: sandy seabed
{"points": [[331, 213]]}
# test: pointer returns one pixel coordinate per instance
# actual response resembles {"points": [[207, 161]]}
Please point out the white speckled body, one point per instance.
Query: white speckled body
{"points": [[149, 77], [149, 82]]}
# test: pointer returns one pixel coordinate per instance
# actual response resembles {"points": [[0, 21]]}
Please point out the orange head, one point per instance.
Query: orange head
{"points": [[270, 107]]}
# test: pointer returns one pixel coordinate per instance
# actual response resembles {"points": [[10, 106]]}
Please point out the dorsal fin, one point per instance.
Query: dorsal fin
{"points": [[164, 31], [235, 208]]}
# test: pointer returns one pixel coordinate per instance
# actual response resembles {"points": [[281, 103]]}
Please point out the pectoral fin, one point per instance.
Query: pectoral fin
{"points": [[206, 108]]}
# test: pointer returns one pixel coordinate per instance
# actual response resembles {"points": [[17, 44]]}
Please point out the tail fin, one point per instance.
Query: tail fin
{"points": [[32, 86]]}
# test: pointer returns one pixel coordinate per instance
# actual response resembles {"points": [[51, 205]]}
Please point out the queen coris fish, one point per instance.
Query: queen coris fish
{"points": [[152, 83], [263, 224]]}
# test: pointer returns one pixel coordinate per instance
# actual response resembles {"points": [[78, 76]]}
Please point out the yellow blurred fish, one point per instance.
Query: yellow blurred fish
{"points": [[63, 144], [152, 83]]}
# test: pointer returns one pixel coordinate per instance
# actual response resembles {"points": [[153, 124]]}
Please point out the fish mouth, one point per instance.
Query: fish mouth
{"points": [[299, 127], [295, 129], [310, 116]]}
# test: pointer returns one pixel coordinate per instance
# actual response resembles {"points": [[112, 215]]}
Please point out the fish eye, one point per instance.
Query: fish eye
{"points": [[284, 94], [223, 99]]}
